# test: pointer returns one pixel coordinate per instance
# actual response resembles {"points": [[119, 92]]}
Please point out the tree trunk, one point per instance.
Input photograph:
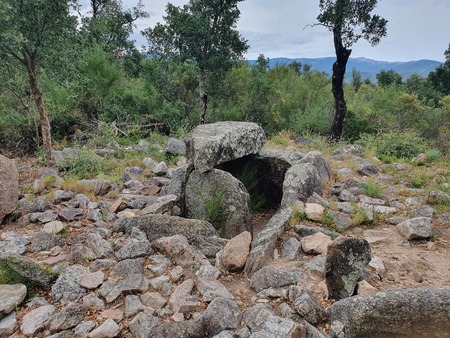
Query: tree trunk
{"points": [[203, 96], [43, 115], [342, 55]]}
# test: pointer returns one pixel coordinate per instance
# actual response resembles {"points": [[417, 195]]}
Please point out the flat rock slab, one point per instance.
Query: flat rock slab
{"points": [[420, 312], [157, 226], [277, 275], [265, 242], [216, 143]]}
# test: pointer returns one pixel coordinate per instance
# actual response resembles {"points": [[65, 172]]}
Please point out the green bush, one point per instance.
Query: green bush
{"points": [[371, 189], [83, 164], [406, 144]]}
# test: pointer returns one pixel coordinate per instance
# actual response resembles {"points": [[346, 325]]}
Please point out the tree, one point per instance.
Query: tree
{"points": [[203, 31], [349, 20], [356, 79], [440, 77], [389, 77], [111, 26], [31, 31]]}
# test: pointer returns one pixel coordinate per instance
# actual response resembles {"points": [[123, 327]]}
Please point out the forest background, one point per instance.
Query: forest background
{"points": [[96, 86]]}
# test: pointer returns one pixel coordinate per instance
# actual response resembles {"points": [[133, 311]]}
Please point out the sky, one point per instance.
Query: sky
{"points": [[417, 29]]}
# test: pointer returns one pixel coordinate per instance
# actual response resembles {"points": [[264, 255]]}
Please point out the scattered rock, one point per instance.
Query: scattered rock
{"points": [[309, 308], [34, 321], [11, 296], [316, 244], [144, 325], [67, 318], [416, 228], [221, 314], [28, 269], [175, 147], [264, 243], [291, 248], [236, 251], [92, 280], [346, 260], [177, 249], [8, 324], [108, 329], [275, 276]]}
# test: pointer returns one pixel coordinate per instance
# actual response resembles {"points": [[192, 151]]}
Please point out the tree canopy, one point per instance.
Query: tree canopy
{"points": [[203, 31], [30, 32]]}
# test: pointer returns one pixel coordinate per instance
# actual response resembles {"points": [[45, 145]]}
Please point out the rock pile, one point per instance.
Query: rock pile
{"points": [[129, 264]]}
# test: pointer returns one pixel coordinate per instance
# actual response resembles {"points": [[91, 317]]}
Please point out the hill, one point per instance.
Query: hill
{"points": [[367, 67]]}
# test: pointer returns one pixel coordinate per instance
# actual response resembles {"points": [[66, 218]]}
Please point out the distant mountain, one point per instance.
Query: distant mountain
{"points": [[367, 67]]}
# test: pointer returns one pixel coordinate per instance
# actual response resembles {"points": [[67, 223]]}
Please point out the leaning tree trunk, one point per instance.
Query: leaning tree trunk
{"points": [[342, 55], [43, 115], [203, 96]]}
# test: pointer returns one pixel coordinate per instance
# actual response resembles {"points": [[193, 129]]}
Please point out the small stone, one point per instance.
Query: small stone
{"points": [[71, 214], [315, 244], [54, 227], [314, 211], [115, 314], [11, 296], [34, 321], [417, 277], [153, 299], [160, 169], [134, 250], [158, 282], [92, 301], [108, 329], [144, 325], [291, 248], [92, 280], [365, 288], [236, 251], [84, 328], [133, 305], [176, 273], [67, 318], [309, 308], [8, 324], [129, 266], [416, 228]]}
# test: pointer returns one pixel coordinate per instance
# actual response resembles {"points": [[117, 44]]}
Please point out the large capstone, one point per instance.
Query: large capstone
{"points": [[216, 143], [219, 198], [9, 183]]}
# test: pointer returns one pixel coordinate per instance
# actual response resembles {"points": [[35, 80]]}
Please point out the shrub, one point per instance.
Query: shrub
{"points": [[371, 189], [406, 144], [214, 211], [297, 215], [83, 164]]}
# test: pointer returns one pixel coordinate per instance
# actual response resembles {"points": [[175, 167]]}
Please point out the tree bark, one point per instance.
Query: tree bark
{"points": [[43, 115], [203, 96], [342, 56]]}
